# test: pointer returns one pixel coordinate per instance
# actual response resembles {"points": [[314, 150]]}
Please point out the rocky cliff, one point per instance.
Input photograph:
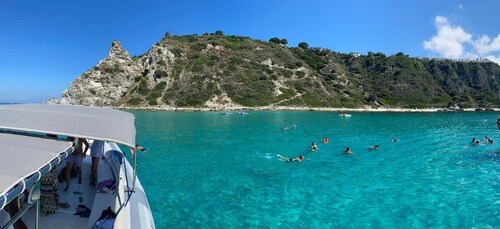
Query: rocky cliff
{"points": [[222, 71]]}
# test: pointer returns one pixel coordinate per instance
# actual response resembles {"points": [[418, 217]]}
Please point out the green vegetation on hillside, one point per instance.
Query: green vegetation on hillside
{"points": [[259, 73]]}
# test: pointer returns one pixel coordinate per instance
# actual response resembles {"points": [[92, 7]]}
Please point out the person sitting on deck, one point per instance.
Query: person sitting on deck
{"points": [[285, 159], [13, 209], [75, 159]]}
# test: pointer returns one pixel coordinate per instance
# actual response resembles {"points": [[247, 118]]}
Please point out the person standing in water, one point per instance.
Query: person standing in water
{"points": [[347, 151]]}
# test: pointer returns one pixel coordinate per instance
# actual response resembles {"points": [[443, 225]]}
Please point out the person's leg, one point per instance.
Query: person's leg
{"points": [[79, 171], [13, 208], [69, 167], [93, 170]]}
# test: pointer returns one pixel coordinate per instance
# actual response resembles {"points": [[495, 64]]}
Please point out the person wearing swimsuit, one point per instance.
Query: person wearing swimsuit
{"points": [[75, 159]]}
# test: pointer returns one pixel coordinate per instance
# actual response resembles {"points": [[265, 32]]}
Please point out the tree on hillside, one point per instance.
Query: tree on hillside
{"points": [[284, 41], [219, 33], [275, 40], [303, 45]]}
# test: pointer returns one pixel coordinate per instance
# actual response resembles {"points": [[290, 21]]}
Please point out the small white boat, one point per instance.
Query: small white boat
{"points": [[345, 115], [242, 112], [33, 139]]}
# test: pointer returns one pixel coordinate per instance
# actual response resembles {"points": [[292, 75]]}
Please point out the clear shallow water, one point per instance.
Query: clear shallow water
{"points": [[210, 170]]}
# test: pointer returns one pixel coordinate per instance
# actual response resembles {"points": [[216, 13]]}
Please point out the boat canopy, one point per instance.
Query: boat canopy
{"points": [[22, 156], [70, 120]]}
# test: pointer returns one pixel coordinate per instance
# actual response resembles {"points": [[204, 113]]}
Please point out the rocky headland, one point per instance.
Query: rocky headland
{"points": [[218, 72]]}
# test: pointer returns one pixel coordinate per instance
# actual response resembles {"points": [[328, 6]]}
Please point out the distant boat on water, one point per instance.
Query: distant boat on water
{"points": [[345, 115], [226, 113], [242, 112]]}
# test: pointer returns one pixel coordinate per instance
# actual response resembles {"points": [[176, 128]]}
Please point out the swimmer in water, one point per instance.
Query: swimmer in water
{"points": [[395, 140], [348, 151], [475, 141], [293, 126], [286, 159], [324, 141], [374, 147], [314, 147], [488, 140]]}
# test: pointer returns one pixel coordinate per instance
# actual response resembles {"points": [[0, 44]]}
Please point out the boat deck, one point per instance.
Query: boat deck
{"points": [[65, 218]]}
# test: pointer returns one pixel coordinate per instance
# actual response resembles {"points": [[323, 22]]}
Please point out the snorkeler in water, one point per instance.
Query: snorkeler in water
{"points": [[374, 147], [314, 147], [286, 159]]}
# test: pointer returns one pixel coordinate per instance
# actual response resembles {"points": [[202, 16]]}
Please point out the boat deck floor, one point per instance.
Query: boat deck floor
{"points": [[65, 218]]}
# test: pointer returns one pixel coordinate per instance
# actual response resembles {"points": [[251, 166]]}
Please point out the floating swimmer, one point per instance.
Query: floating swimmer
{"points": [[395, 140], [348, 151], [374, 147], [475, 141], [324, 141], [314, 147], [293, 126], [286, 159], [488, 140]]}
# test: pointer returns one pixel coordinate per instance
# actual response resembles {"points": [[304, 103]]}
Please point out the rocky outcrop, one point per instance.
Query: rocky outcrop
{"points": [[107, 82], [217, 71]]}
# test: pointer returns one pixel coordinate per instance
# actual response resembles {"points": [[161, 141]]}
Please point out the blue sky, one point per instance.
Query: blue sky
{"points": [[45, 45]]}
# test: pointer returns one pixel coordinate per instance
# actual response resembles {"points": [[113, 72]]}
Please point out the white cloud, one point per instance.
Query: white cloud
{"points": [[449, 40], [485, 45], [453, 42]]}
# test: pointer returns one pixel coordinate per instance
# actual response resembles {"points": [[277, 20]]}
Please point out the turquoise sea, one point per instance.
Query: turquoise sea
{"points": [[206, 170]]}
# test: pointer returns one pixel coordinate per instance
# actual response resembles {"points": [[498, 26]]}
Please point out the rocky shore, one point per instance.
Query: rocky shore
{"points": [[325, 109]]}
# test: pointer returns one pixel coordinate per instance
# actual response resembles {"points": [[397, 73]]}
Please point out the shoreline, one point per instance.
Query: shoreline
{"points": [[321, 109]]}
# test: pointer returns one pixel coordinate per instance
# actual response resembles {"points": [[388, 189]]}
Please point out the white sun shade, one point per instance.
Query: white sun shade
{"points": [[21, 156], [77, 121]]}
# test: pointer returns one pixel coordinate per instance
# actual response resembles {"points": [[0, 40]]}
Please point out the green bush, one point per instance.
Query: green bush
{"points": [[143, 87], [160, 74], [162, 63], [134, 101], [303, 45]]}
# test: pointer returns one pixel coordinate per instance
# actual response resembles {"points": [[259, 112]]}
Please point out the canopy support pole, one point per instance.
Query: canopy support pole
{"points": [[135, 169], [37, 214]]}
